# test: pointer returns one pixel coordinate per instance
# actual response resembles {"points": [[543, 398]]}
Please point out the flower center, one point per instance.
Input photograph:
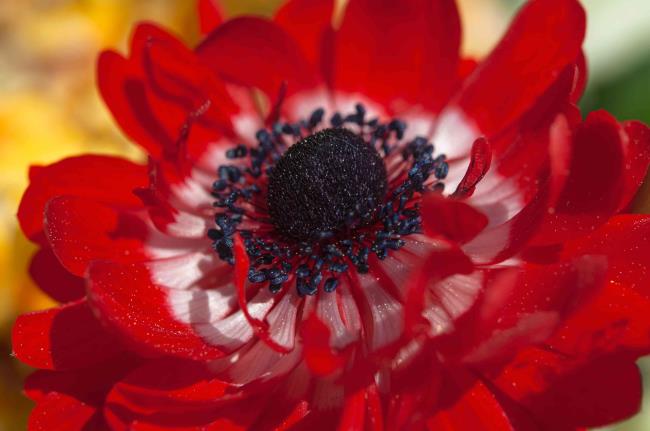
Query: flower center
{"points": [[328, 182], [313, 202]]}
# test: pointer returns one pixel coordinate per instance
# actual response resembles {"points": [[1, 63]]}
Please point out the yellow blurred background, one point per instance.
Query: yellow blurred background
{"points": [[50, 109]]}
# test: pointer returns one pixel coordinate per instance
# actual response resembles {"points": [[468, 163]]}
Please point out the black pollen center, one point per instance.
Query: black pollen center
{"points": [[327, 182]]}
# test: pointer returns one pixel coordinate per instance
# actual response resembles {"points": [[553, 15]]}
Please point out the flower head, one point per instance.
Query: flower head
{"points": [[344, 226]]}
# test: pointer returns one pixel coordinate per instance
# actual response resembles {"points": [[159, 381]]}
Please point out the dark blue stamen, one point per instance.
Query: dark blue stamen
{"points": [[330, 285], [337, 120], [315, 118]]}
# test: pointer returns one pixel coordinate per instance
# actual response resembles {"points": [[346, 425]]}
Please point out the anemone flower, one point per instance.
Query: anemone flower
{"points": [[344, 225]]}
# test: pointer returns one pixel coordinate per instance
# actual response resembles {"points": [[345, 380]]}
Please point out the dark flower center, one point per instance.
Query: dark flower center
{"points": [[328, 182], [312, 205]]}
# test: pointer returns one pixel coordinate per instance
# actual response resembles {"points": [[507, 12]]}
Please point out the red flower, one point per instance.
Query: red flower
{"points": [[347, 227]]}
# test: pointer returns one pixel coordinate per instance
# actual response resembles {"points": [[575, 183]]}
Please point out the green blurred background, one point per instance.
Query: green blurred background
{"points": [[49, 109]]}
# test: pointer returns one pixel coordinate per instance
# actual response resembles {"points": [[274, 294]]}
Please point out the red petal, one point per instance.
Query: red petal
{"points": [[161, 393], [309, 22], [558, 98], [511, 314], [318, 354], [589, 364], [551, 103], [592, 190], [80, 230], [375, 416], [417, 388], [286, 419], [601, 393], [171, 385], [176, 75], [504, 238], [162, 96], [596, 168], [210, 15], [455, 220], [105, 179], [399, 52], [466, 67], [60, 412], [52, 278], [542, 40], [616, 321], [476, 409], [144, 34], [354, 409], [125, 298], [239, 49], [436, 266], [62, 338], [124, 92], [625, 240], [89, 384], [531, 173], [564, 393]]}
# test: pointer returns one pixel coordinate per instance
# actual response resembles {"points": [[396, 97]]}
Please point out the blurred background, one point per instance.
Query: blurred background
{"points": [[50, 109]]}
